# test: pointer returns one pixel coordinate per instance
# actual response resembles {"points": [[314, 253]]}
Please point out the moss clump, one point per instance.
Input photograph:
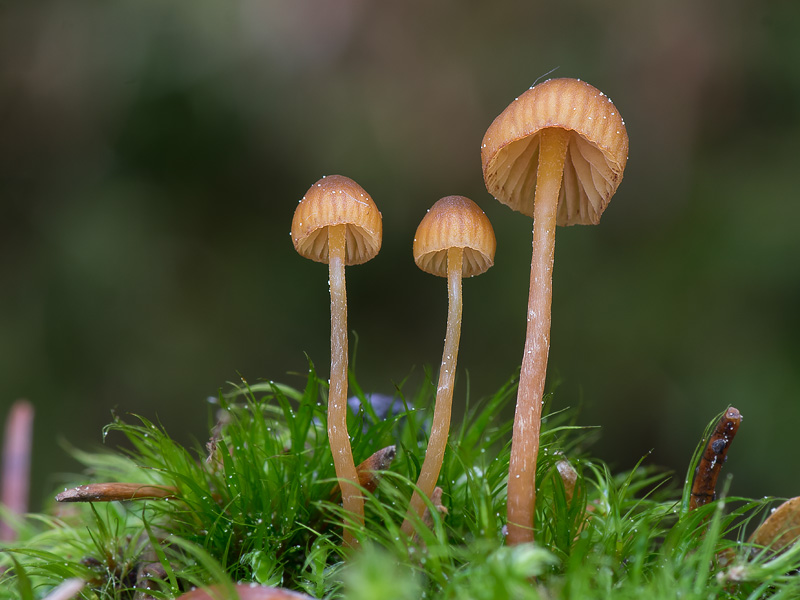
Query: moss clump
{"points": [[258, 503]]}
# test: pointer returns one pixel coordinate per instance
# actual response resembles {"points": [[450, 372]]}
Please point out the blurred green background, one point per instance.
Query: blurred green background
{"points": [[152, 154]]}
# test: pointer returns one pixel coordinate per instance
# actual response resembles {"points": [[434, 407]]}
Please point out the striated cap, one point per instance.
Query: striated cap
{"points": [[337, 200], [454, 222], [596, 155]]}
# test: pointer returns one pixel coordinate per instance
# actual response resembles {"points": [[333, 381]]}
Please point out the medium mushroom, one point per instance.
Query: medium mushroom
{"points": [[453, 240], [337, 223], [556, 154]]}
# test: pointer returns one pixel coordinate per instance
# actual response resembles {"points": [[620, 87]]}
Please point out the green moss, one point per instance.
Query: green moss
{"points": [[258, 503]]}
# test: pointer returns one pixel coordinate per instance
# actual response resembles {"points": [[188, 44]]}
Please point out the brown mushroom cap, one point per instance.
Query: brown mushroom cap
{"points": [[454, 222], [337, 200], [596, 155]]}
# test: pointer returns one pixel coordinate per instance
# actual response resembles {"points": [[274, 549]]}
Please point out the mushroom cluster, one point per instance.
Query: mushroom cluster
{"points": [[556, 154]]}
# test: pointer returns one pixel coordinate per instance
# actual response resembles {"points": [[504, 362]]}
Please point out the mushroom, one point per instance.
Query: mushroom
{"points": [[557, 154], [337, 223], [453, 240]]}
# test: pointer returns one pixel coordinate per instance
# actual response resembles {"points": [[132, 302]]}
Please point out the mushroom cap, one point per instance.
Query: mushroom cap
{"points": [[596, 154], [245, 591], [337, 200], [454, 222]]}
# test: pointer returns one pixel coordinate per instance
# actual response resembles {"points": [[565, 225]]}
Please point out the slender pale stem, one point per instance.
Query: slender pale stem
{"points": [[346, 473], [440, 428], [528, 414]]}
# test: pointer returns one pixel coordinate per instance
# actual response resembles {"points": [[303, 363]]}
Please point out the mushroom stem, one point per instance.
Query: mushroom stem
{"points": [[440, 427], [528, 413], [338, 437]]}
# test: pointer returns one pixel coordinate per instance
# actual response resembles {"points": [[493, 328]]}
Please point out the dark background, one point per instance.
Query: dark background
{"points": [[152, 154]]}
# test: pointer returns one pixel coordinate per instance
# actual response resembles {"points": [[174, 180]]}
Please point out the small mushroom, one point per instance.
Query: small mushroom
{"points": [[337, 223], [557, 154], [454, 240]]}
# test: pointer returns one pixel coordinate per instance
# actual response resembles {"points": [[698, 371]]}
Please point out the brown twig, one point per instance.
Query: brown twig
{"points": [[427, 516], [569, 476], [436, 500], [369, 471], [213, 459], [147, 574], [704, 484], [111, 492], [15, 484]]}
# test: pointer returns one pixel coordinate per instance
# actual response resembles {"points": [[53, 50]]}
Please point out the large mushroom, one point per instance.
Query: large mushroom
{"points": [[556, 154], [454, 239], [337, 223]]}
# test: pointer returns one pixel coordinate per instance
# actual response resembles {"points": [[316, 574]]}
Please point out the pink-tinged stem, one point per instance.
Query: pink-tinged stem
{"points": [[352, 501], [528, 414], [16, 463], [440, 427]]}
